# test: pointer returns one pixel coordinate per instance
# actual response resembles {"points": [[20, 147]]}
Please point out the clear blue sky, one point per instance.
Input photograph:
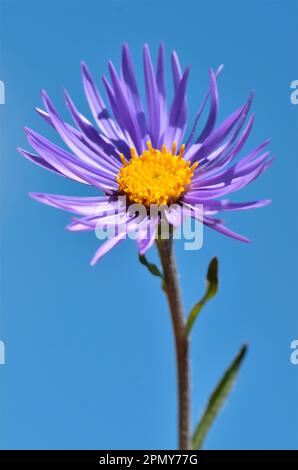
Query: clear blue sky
{"points": [[90, 360]]}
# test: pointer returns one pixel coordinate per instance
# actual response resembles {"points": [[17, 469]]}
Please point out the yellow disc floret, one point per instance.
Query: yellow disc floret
{"points": [[155, 177]]}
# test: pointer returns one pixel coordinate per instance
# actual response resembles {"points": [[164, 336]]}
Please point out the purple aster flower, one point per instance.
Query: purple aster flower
{"points": [[145, 155]]}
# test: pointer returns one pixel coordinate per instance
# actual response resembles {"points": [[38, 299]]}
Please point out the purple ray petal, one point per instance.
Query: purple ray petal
{"points": [[152, 98], [41, 142], [114, 106], [198, 196], [252, 155], [85, 154], [225, 231], [161, 87], [231, 149], [218, 135], [176, 70], [104, 146], [117, 113], [216, 206], [231, 155], [107, 246], [105, 150], [77, 205], [213, 159], [199, 113], [81, 121], [114, 218], [97, 106], [227, 175], [209, 126], [52, 158], [177, 117], [146, 237], [126, 115], [211, 179], [39, 161], [133, 90], [110, 243], [68, 165], [77, 226]]}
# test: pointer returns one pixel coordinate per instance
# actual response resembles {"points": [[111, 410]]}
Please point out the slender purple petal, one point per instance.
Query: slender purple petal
{"points": [[104, 149], [133, 90], [85, 154], [161, 87], [214, 206], [77, 205], [152, 98], [203, 177], [199, 113], [107, 246], [176, 70], [97, 106], [67, 164], [110, 243], [146, 237], [209, 126], [226, 231], [39, 161], [218, 135], [226, 176], [198, 196], [126, 115], [230, 149], [177, 117]]}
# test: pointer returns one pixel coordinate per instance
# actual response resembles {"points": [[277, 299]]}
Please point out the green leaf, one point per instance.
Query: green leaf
{"points": [[150, 266], [217, 399], [211, 290], [153, 269]]}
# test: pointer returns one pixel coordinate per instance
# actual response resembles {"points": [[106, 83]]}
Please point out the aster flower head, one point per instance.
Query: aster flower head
{"points": [[146, 155]]}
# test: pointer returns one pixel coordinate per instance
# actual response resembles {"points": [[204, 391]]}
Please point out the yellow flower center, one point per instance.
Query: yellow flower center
{"points": [[155, 177]]}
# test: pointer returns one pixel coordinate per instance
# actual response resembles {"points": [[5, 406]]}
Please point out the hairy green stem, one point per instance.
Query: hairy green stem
{"points": [[172, 289]]}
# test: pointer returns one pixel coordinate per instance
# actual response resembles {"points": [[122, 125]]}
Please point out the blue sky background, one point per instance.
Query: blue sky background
{"points": [[90, 359]]}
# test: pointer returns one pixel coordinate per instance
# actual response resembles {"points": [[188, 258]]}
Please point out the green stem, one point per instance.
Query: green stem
{"points": [[166, 253]]}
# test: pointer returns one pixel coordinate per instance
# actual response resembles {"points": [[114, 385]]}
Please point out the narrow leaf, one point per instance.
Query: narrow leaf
{"points": [[211, 290], [152, 268], [217, 399]]}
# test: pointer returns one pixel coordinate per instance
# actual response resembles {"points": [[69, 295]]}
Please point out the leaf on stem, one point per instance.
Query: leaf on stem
{"points": [[211, 290], [217, 399], [153, 269]]}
